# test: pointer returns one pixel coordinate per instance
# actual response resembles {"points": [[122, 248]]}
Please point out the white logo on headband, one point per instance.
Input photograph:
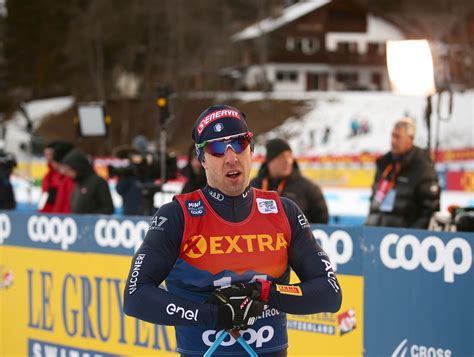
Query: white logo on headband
{"points": [[218, 127], [214, 116]]}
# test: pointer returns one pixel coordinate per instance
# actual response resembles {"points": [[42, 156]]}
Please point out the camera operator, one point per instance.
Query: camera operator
{"points": [[128, 188], [7, 164], [137, 180]]}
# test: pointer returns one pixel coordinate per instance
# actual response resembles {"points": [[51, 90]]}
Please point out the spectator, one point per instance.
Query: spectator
{"points": [[49, 184], [56, 187], [7, 196], [405, 192], [280, 172], [364, 127], [91, 195], [132, 198], [355, 126], [194, 172], [327, 133], [65, 184]]}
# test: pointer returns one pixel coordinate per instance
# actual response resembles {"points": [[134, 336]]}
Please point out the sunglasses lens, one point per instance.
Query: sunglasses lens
{"points": [[218, 148]]}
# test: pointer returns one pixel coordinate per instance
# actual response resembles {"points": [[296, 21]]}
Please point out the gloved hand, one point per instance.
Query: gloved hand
{"points": [[236, 311], [258, 290]]}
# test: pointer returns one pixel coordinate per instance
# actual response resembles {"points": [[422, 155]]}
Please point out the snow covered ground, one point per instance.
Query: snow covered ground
{"points": [[336, 110]]}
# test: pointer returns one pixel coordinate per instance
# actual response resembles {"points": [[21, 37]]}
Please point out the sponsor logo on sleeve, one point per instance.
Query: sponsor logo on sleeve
{"points": [[346, 321], [330, 244], [289, 290], [267, 206], [137, 264], [196, 208], [303, 221], [157, 223], [191, 315]]}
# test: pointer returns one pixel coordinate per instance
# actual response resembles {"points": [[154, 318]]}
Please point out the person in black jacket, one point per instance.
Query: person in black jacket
{"points": [[91, 195], [194, 172], [405, 192], [7, 196], [280, 172]]}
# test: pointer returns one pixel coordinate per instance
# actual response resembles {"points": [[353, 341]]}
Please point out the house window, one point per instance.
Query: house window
{"points": [[376, 48], [347, 47], [305, 45], [309, 45], [290, 43], [286, 76], [348, 78]]}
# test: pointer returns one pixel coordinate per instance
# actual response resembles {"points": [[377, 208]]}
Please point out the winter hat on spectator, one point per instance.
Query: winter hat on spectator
{"points": [[275, 147], [61, 149], [218, 121]]}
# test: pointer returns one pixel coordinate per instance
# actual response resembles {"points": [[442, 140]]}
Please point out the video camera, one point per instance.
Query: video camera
{"points": [[7, 163]]}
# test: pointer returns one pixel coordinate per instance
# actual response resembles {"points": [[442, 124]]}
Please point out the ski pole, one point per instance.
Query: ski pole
{"points": [[237, 336]]}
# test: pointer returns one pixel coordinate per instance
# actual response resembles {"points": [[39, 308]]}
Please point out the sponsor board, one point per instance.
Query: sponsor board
{"points": [[68, 300], [407, 349], [332, 333], [70, 303]]}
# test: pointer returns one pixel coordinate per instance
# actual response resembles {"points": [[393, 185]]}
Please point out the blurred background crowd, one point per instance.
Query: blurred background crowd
{"points": [[98, 99]]}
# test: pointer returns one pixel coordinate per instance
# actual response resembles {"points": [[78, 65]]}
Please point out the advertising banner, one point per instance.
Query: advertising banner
{"points": [[419, 287], [62, 281], [405, 292]]}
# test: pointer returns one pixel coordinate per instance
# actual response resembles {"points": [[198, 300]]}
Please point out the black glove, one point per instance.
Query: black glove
{"points": [[258, 290], [236, 311]]}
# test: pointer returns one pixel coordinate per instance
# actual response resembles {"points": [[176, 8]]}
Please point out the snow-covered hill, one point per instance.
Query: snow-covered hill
{"points": [[336, 111]]}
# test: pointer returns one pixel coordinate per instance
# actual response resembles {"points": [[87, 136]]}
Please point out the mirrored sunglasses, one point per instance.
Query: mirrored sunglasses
{"points": [[218, 147]]}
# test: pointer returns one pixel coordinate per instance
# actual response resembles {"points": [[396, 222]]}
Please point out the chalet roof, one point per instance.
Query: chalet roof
{"points": [[289, 14]]}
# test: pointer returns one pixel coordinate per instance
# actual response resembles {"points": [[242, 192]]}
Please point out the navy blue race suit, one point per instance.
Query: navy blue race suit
{"points": [[160, 258]]}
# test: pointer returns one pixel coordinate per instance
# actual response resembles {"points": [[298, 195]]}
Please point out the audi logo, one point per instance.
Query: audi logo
{"points": [[59, 231], [5, 227], [113, 233]]}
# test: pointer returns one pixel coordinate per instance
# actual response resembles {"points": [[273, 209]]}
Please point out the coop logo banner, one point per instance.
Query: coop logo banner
{"points": [[407, 349], [52, 231], [112, 233], [5, 227], [431, 254]]}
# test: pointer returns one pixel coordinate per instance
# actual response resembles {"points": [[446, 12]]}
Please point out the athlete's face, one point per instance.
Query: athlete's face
{"points": [[229, 173]]}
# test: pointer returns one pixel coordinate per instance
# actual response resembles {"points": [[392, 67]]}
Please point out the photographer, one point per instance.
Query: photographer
{"points": [[128, 188], [137, 180], [7, 164]]}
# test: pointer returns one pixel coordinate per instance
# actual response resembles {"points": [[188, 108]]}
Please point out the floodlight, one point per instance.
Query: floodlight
{"points": [[410, 67], [92, 120]]}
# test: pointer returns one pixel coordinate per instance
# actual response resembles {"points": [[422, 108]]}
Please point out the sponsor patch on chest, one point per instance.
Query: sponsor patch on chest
{"points": [[196, 208], [267, 206]]}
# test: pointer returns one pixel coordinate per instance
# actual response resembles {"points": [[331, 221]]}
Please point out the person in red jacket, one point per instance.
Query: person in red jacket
{"points": [[56, 186]]}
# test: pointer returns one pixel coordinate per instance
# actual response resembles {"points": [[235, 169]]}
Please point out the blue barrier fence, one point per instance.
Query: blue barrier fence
{"points": [[418, 285]]}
